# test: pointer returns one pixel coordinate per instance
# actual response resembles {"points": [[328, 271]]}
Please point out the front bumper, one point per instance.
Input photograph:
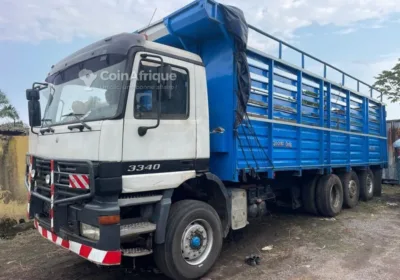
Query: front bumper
{"points": [[58, 218], [92, 254]]}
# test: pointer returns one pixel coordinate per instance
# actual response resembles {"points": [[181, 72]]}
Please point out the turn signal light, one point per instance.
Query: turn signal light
{"points": [[109, 220]]}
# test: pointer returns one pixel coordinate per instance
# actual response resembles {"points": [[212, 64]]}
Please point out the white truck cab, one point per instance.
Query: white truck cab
{"points": [[162, 141], [126, 123]]}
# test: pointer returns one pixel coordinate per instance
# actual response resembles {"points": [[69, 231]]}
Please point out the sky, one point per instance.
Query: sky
{"points": [[357, 36]]}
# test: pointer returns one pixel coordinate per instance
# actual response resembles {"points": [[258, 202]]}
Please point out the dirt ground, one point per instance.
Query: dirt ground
{"points": [[362, 243]]}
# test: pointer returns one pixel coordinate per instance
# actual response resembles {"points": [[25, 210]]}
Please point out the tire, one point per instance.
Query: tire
{"points": [[351, 189], [189, 218], [366, 178], [308, 194], [329, 195], [378, 182]]}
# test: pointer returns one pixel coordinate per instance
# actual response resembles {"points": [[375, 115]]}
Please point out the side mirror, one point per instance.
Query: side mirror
{"points": [[35, 118], [32, 94]]}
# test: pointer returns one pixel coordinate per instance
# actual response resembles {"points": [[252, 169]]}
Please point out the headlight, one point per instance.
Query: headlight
{"points": [[90, 232], [28, 160], [47, 179], [28, 163]]}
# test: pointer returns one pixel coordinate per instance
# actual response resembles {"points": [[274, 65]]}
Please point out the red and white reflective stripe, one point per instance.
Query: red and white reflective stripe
{"points": [[79, 181], [87, 252], [29, 204], [29, 183], [52, 195]]}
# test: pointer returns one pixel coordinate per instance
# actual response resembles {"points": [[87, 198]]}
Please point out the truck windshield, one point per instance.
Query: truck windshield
{"points": [[88, 91]]}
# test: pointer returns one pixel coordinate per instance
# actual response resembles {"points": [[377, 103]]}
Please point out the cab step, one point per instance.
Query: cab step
{"points": [[138, 199], [137, 228], [136, 252]]}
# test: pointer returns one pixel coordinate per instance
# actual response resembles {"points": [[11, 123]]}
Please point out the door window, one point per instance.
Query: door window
{"points": [[151, 80]]}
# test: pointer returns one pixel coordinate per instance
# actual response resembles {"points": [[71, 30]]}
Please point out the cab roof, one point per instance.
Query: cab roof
{"points": [[118, 44]]}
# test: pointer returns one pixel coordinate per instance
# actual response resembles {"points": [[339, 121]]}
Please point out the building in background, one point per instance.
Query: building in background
{"points": [[391, 175]]}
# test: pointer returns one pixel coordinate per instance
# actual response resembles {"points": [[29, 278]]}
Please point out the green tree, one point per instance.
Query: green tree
{"points": [[6, 109], [9, 111], [388, 83], [3, 99]]}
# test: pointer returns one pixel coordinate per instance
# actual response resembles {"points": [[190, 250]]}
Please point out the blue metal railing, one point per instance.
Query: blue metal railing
{"points": [[325, 64]]}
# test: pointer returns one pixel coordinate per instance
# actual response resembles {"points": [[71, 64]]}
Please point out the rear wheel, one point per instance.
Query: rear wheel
{"points": [[329, 196], [366, 178], [378, 182], [351, 189], [308, 194], [193, 241]]}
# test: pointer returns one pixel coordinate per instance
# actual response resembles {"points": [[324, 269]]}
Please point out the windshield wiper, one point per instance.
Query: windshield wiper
{"points": [[81, 126], [47, 120], [47, 128]]}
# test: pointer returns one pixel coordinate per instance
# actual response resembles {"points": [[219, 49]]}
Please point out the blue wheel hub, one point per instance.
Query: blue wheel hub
{"points": [[195, 242]]}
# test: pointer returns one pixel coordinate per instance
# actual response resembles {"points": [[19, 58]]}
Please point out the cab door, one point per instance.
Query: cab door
{"points": [[165, 156]]}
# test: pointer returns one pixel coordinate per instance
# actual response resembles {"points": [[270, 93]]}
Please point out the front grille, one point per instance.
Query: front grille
{"points": [[63, 170], [72, 188]]}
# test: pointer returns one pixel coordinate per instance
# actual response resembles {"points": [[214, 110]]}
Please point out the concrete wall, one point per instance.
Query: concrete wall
{"points": [[13, 151]]}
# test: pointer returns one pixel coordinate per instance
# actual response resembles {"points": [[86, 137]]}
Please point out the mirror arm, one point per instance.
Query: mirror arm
{"points": [[39, 86], [146, 55], [142, 130], [34, 131]]}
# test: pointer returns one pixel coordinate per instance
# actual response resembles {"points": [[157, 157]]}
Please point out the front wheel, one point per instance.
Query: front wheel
{"points": [[193, 241]]}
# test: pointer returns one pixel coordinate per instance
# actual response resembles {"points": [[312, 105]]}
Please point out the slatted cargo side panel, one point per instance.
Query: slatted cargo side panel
{"points": [[253, 137], [297, 120], [337, 143], [377, 126]]}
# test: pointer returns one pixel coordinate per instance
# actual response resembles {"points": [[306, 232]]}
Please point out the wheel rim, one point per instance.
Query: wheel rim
{"points": [[352, 188], [370, 184], [197, 241], [335, 196]]}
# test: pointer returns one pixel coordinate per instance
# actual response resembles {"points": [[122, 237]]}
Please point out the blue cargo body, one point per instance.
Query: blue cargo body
{"points": [[296, 120]]}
